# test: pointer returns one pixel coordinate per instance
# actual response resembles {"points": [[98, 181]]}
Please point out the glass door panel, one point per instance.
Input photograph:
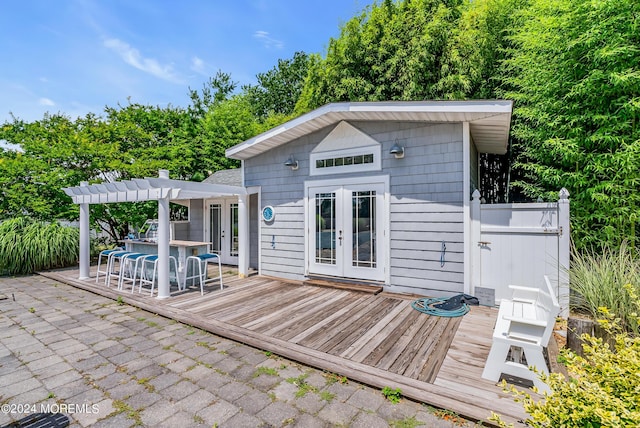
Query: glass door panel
{"points": [[215, 228], [233, 242], [325, 230], [364, 228]]}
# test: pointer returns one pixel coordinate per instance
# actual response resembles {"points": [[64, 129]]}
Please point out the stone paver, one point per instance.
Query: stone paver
{"points": [[110, 365]]}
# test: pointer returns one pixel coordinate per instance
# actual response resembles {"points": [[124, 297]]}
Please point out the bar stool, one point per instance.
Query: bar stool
{"points": [[114, 257], [153, 260], [198, 261], [129, 264], [107, 254]]}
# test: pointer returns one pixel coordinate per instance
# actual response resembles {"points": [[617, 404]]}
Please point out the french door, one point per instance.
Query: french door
{"points": [[346, 230], [222, 229]]}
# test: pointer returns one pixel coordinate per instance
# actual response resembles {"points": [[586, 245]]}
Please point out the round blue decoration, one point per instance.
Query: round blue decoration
{"points": [[267, 213]]}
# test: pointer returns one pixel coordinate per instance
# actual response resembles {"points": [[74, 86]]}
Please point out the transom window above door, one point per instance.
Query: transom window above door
{"points": [[345, 149], [342, 161]]}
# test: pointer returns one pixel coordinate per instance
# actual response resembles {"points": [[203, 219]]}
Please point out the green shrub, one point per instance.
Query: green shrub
{"points": [[598, 280], [27, 246], [603, 386]]}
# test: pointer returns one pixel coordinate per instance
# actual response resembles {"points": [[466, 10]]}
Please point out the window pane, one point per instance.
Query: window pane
{"points": [[215, 227], [325, 220], [364, 229], [234, 230]]}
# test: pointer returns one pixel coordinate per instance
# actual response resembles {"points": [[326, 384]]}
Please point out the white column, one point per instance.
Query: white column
{"points": [[475, 249], [243, 236], [85, 238], [466, 197], [564, 248], [163, 242]]}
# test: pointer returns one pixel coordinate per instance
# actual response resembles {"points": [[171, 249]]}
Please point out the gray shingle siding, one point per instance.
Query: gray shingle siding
{"points": [[426, 203]]}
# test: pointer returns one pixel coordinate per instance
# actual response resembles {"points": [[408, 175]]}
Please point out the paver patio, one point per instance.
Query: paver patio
{"points": [[100, 363]]}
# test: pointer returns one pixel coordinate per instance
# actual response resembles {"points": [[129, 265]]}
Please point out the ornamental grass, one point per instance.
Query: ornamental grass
{"points": [[602, 281], [27, 246]]}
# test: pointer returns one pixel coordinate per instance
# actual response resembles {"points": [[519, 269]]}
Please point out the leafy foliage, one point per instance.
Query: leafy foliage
{"points": [[130, 142], [390, 51], [27, 246], [573, 73], [278, 89], [393, 395]]}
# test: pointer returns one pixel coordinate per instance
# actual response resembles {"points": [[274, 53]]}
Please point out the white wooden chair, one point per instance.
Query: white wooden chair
{"points": [[525, 321]]}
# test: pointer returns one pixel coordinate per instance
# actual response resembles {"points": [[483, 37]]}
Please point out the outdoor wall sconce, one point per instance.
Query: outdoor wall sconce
{"points": [[397, 150], [291, 163]]}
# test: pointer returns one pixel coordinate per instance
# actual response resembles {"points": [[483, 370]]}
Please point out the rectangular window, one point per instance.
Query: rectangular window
{"points": [[358, 159], [344, 161]]}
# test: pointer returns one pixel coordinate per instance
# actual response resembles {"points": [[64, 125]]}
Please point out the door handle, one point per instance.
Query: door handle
{"points": [[340, 236]]}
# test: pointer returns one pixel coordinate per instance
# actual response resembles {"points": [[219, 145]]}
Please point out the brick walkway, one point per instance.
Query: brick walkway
{"points": [[95, 362]]}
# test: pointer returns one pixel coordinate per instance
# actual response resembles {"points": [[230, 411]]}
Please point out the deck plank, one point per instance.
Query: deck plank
{"points": [[324, 320], [395, 338], [280, 319], [371, 337]]}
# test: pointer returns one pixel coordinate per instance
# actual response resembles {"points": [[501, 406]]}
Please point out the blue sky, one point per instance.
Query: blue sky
{"points": [[78, 56]]}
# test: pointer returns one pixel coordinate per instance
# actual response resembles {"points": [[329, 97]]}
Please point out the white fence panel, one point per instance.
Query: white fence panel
{"points": [[520, 243]]}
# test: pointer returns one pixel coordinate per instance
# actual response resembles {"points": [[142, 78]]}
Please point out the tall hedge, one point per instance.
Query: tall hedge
{"points": [[573, 72]]}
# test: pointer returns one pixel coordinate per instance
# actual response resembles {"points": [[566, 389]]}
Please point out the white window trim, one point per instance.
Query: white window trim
{"points": [[376, 165]]}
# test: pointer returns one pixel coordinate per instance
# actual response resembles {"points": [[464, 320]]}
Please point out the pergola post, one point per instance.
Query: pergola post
{"points": [[243, 236], [85, 238], [163, 242]]}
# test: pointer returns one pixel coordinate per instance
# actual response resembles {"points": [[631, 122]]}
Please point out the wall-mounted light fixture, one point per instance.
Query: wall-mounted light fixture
{"points": [[291, 163], [397, 150]]}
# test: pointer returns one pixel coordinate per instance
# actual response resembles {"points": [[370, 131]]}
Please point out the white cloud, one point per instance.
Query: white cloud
{"points": [[268, 41], [46, 102], [132, 56], [198, 65]]}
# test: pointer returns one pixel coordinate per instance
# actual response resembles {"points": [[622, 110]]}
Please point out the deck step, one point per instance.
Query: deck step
{"points": [[351, 286]]}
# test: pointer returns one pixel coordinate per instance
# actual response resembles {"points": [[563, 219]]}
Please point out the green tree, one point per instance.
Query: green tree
{"points": [[279, 89], [56, 152], [390, 51], [573, 74]]}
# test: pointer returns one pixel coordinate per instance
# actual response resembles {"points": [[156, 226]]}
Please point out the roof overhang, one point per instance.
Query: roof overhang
{"points": [[149, 189], [489, 122]]}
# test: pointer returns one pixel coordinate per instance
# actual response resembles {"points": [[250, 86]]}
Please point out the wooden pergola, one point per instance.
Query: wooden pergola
{"points": [[161, 189]]}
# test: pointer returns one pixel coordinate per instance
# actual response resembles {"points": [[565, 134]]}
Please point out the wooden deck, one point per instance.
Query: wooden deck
{"points": [[374, 339]]}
